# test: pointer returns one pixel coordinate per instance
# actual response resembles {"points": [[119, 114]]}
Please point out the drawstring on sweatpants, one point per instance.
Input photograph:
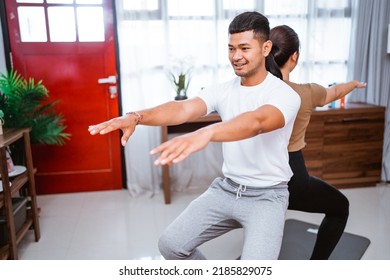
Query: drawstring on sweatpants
{"points": [[240, 190]]}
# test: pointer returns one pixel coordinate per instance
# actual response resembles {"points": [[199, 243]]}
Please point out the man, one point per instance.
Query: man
{"points": [[257, 111]]}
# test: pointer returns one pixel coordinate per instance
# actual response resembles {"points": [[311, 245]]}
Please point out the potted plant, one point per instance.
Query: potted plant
{"points": [[180, 76], [24, 104]]}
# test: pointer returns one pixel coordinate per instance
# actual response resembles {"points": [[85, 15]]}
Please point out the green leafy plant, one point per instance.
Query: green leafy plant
{"points": [[180, 76], [181, 84], [24, 104]]}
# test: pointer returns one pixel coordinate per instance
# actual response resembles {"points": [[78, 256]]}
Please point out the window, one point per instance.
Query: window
{"points": [[324, 29], [32, 24], [199, 29], [67, 20]]}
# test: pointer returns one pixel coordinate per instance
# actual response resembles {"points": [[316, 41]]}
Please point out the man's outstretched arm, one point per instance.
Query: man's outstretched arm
{"points": [[249, 124], [170, 113]]}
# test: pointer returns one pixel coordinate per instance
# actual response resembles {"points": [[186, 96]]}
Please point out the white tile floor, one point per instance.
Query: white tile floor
{"points": [[113, 225]]}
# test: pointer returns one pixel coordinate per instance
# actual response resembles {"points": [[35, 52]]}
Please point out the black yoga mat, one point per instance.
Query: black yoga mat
{"points": [[299, 238]]}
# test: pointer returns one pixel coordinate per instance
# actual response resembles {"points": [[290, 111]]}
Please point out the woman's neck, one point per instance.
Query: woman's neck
{"points": [[285, 73]]}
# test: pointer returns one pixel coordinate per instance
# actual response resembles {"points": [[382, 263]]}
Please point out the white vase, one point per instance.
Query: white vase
{"points": [[1, 128]]}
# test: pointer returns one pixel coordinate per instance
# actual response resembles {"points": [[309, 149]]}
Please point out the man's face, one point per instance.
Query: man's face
{"points": [[246, 54]]}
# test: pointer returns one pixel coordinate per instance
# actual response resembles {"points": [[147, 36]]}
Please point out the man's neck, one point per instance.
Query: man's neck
{"points": [[254, 80]]}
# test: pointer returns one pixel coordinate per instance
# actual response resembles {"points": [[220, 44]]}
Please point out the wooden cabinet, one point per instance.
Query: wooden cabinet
{"points": [[21, 185], [344, 146]]}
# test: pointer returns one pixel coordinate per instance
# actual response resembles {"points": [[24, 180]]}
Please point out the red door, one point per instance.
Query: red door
{"points": [[70, 46]]}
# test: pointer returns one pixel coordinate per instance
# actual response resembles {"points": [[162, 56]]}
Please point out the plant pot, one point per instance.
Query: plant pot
{"points": [[181, 97]]}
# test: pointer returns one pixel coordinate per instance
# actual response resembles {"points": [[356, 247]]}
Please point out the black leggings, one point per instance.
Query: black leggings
{"points": [[310, 194]]}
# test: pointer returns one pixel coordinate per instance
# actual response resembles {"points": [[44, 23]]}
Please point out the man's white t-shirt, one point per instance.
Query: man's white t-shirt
{"points": [[260, 161]]}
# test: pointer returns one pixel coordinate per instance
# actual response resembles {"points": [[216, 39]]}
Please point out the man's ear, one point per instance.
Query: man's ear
{"points": [[267, 46]]}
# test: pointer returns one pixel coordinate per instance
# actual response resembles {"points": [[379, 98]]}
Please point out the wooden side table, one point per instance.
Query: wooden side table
{"points": [[23, 180], [182, 128]]}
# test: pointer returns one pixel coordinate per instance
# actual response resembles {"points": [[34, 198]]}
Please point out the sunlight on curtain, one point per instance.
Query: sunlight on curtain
{"points": [[323, 28], [152, 33]]}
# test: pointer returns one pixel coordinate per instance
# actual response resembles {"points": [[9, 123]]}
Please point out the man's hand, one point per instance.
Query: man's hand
{"points": [[181, 147], [126, 124]]}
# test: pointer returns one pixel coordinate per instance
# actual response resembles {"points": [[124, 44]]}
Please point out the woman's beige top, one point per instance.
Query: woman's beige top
{"points": [[312, 95]]}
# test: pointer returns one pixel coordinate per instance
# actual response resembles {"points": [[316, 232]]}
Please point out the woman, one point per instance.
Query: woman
{"points": [[308, 193]]}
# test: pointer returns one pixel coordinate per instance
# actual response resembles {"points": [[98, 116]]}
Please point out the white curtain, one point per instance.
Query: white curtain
{"points": [[370, 62], [154, 32], [149, 41]]}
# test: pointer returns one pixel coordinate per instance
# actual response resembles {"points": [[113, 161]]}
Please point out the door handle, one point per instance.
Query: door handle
{"points": [[108, 80]]}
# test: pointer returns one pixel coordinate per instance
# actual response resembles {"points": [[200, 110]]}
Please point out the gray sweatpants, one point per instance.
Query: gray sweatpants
{"points": [[223, 207]]}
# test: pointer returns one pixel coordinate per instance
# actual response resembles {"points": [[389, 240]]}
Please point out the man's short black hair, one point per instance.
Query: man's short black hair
{"points": [[251, 21]]}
